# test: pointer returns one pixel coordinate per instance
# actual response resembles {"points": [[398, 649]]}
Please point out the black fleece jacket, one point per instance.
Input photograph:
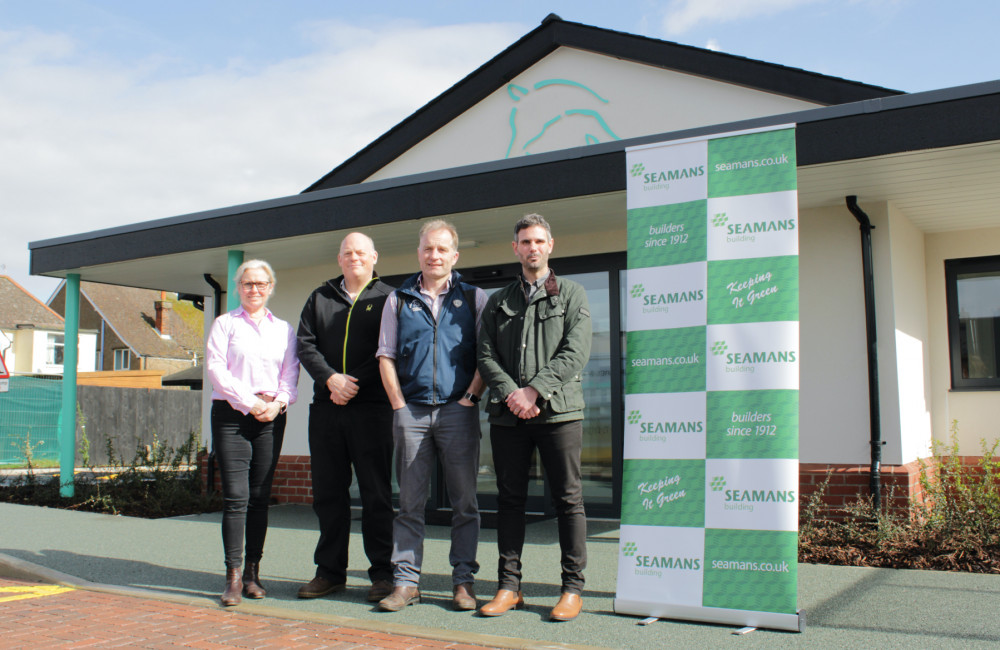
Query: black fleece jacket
{"points": [[338, 337]]}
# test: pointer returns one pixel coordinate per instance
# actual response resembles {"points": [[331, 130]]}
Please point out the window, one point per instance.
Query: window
{"points": [[973, 295], [122, 359], [54, 349]]}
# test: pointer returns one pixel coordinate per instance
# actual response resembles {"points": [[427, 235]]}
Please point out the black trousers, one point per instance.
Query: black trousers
{"points": [[247, 451], [559, 447], [358, 435]]}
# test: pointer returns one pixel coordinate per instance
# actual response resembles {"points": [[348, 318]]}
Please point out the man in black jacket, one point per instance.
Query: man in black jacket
{"points": [[350, 421]]}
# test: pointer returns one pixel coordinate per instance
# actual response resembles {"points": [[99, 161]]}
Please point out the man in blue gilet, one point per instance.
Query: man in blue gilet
{"points": [[427, 358]]}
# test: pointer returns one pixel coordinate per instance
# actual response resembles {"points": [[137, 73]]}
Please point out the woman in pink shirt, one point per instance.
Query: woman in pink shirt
{"points": [[251, 361]]}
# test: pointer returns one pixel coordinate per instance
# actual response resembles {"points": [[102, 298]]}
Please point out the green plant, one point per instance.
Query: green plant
{"points": [[954, 526], [158, 481], [83, 442], [960, 501]]}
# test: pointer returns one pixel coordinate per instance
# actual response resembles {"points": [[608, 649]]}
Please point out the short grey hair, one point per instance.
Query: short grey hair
{"points": [[440, 224], [257, 264], [529, 220]]}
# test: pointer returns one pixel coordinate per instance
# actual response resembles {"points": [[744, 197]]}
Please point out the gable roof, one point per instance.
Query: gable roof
{"points": [[19, 307], [131, 314], [554, 33]]}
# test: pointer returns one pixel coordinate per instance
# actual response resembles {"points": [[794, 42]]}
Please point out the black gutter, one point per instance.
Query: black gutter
{"points": [[874, 413], [217, 303]]}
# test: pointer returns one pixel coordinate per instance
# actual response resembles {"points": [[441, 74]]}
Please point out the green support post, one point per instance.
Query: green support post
{"points": [[67, 415], [232, 295]]}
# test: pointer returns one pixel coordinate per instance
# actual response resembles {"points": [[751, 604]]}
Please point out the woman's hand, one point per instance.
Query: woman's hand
{"points": [[271, 411]]}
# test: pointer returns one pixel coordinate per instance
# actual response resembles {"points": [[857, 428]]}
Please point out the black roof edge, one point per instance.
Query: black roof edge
{"points": [[876, 113], [555, 32]]}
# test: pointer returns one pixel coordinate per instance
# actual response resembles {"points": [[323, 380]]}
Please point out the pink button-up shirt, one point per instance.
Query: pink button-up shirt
{"points": [[245, 358]]}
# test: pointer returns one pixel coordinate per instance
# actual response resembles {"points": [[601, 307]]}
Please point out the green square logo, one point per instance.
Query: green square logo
{"points": [[667, 234], [663, 493], [666, 361], [752, 424], [753, 290], [753, 570], [755, 163]]}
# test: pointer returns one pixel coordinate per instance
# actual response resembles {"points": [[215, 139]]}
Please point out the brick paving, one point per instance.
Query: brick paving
{"points": [[43, 616]]}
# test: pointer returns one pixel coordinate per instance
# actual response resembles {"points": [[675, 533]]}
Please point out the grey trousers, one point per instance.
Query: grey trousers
{"points": [[451, 433]]}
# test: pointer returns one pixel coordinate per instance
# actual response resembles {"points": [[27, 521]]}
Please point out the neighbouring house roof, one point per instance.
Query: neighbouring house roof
{"points": [[19, 308], [554, 33], [131, 313]]}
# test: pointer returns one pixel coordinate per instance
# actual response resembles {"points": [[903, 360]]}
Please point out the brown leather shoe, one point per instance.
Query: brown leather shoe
{"points": [[503, 601], [234, 585], [400, 597], [464, 597], [379, 590], [567, 608], [251, 581], [320, 586]]}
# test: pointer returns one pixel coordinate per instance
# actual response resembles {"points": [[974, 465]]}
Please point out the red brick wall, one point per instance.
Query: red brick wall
{"points": [[899, 482], [291, 479]]}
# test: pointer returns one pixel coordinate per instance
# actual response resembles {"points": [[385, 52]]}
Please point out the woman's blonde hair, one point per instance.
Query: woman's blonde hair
{"points": [[257, 264]]}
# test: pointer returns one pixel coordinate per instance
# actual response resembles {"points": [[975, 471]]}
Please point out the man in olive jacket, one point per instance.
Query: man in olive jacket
{"points": [[534, 343], [350, 421]]}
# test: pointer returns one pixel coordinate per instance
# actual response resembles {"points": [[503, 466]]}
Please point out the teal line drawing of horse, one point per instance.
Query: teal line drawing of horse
{"points": [[529, 127]]}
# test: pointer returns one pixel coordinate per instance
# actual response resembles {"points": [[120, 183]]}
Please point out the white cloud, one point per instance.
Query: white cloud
{"points": [[88, 143], [684, 15]]}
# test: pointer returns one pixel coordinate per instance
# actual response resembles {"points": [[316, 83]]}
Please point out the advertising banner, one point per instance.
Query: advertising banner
{"points": [[710, 493]]}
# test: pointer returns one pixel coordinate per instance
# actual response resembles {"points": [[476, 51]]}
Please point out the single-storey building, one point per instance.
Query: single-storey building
{"points": [[899, 231]]}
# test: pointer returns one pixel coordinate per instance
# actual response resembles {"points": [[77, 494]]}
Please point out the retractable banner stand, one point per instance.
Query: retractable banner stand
{"points": [[710, 489]]}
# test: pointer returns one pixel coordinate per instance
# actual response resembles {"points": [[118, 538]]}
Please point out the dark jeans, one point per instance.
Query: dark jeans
{"points": [[559, 448], [339, 437], [247, 451]]}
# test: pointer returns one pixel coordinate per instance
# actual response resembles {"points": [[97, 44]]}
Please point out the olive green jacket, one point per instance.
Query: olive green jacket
{"points": [[544, 344]]}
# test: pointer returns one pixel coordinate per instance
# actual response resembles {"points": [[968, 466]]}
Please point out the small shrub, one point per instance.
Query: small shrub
{"points": [[159, 481], [954, 527]]}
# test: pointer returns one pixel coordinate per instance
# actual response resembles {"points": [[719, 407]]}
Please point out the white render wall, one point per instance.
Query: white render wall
{"points": [[641, 100], [976, 412], [911, 439], [833, 375]]}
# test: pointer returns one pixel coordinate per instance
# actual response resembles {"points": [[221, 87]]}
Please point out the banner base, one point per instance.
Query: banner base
{"points": [[771, 620]]}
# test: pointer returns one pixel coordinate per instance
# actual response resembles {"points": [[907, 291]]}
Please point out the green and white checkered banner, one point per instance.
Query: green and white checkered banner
{"points": [[710, 490]]}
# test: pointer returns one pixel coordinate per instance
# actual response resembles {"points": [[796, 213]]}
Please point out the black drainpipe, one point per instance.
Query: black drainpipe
{"points": [[875, 482], [217, 302]]}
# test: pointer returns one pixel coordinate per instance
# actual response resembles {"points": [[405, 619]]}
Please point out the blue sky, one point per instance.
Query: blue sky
{"points": [[114, 112]]}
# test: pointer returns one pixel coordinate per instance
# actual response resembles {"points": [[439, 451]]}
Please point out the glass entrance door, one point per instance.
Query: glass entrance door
{"points": [[597, 458]]}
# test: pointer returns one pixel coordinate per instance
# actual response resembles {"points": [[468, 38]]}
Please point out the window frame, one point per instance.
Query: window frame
{"points": [[55, 349], [953, 268], [127, 354]]}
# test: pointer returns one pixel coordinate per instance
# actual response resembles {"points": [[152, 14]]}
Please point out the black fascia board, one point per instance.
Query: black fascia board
{"points": [[950, 117], [554, 33]]}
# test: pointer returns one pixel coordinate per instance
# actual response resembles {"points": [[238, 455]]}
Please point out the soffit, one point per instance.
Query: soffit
{"points": [[952, 188]]}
